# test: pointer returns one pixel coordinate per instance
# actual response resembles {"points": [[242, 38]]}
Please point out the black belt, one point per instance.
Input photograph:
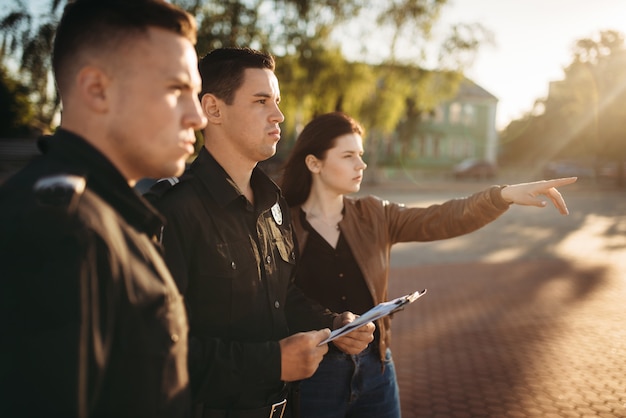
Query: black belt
{"points": [[276, 410]]}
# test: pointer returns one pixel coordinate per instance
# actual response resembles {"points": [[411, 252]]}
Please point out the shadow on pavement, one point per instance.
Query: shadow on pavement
{"points": [[530, 338]]}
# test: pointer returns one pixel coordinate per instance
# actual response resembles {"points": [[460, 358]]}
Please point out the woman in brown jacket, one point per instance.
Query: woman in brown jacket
{"points": [[345, 246]]}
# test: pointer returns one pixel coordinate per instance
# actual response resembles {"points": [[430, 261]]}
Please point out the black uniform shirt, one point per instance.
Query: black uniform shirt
{"points": [[92, 322], [234, 265]]}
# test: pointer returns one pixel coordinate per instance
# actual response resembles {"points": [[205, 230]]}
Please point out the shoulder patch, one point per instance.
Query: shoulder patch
{"points": [[61, 190], [159, 188], [171, 180]]}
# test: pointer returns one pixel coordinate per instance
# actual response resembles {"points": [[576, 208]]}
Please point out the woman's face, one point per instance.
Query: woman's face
{"points": [[341, 171]]}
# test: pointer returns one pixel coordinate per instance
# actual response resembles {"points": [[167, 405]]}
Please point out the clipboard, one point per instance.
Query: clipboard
{"points": [[377, 312]]}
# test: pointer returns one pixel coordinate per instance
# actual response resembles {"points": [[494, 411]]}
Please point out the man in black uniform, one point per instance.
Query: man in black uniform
{"points": [[230, 246], [92, 322]]}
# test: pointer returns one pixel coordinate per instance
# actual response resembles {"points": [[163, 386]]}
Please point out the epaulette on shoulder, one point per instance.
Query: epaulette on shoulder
{"points": [[59, 190], [159, 188]]}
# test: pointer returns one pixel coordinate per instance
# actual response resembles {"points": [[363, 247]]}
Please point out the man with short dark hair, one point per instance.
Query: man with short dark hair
{"points": [[93, 324], [229, 244]]}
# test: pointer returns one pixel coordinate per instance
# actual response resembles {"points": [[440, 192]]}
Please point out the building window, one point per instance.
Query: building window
{"points": [[437, 114], [460, 147], [455, 113], [468, 115]]}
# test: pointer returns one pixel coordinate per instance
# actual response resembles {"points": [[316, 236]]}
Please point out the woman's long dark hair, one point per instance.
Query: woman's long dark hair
{"points": [[317, 137]]}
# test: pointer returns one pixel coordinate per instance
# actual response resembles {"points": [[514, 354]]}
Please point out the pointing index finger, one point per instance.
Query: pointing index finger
{"points": [[561, 182]]}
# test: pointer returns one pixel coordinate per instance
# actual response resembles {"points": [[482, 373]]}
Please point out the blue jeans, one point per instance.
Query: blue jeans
{"points": [[346, 386]]}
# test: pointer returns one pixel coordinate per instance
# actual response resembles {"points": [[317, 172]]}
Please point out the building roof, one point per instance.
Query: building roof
{"points": [[469, 89]]}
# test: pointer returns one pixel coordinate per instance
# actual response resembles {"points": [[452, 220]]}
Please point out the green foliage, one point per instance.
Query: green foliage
{"points": [[16, 110], [26, 40], [280, 26], [459, 48], [319, 82], [314, 75]]}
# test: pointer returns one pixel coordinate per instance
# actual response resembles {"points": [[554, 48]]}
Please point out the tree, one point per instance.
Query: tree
{"points": [[599, 68], [315, 76], [15, 108], [26, 40], [584, 116], [320, 82], [278, 26], [304, 36]]}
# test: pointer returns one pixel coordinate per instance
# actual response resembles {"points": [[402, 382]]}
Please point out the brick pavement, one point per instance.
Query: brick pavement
{"points": [[527, 337]]}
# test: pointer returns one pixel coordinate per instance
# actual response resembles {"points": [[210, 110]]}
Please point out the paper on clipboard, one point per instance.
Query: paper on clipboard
{"points": [[377, 312]]}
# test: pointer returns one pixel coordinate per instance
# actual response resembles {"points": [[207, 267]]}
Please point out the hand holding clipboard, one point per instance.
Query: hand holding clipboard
{"points": [[377, 312]]}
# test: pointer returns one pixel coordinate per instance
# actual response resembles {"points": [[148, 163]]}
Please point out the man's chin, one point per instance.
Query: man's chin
{"points": [[175, 170], [269, 153], [180, 171]]}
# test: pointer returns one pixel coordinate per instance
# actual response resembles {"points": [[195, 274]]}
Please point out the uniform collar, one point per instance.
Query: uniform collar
{"points": [[102, 177], [224, 190]]}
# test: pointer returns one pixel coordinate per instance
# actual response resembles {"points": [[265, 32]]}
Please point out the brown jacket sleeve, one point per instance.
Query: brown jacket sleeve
{"points": [[372, 225]]}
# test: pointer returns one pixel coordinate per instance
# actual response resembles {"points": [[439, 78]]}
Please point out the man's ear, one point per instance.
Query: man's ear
{"points": [[92, 84], [211, 107], [312, 163]]}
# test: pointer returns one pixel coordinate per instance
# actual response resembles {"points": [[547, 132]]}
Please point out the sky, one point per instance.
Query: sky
{"points": [[533, 43]]}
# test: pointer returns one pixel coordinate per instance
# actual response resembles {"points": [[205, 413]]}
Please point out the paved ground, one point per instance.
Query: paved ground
{"points": [[524, 318]]}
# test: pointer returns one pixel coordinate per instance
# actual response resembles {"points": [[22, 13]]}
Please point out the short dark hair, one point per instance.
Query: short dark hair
{"points": [[222, 70], [317, 137], [106, 24]]}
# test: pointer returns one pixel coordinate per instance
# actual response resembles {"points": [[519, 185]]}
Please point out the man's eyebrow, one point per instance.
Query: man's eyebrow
{"points": [[182, 80], [266, 96]]}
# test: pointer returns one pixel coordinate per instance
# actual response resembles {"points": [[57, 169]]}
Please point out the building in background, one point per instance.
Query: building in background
{"points": [[461, 128]]}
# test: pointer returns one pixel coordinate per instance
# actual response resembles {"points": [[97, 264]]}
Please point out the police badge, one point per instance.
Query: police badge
{"points": [[277, 214]]}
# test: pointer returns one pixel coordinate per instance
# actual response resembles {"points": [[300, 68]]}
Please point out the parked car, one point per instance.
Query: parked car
{"points": [[474, 168], [568, 168], [610, 169]]}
